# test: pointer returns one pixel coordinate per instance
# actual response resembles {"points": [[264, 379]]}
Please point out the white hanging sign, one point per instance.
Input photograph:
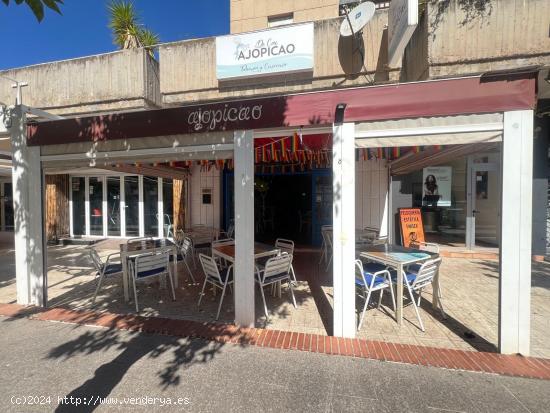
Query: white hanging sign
{"points": [[265, 52], [402, 21]]}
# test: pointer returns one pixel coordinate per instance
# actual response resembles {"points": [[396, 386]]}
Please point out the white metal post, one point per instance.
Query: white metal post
{"points": [[160, 209], [244, 228], [141, 210], [104, 213], [87, 205], [28, 187], [343, 213], [515, 247], [122, 207]]}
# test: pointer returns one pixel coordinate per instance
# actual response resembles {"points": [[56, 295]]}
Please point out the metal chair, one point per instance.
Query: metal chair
{"points": [[417, 281], [286, 245], [150, 265], [276, 270], [104, 269], [326, 248], [138, 239], [212, 276], [227, 241], [369, 278]]}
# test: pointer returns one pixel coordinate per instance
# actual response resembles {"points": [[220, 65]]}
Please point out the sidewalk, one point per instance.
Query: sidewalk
{"points": [[60, 361]]}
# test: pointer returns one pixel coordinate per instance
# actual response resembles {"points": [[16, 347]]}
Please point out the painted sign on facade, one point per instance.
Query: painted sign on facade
{"points": [[266, 52], [436, 186], [412, 229], [402, 20]]}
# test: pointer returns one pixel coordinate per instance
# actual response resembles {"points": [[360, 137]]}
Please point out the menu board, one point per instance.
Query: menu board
{"points": [[412, 229]]}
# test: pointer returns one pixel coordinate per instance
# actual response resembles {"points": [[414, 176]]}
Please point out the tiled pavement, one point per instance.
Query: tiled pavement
{"points": [[470, 289], [390, 352]]}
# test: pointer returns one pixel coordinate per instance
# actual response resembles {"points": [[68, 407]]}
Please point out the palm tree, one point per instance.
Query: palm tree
{"points": [[128, 32], [37, 6]]}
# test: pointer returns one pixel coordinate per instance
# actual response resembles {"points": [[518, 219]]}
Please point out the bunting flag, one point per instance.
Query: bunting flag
{"points": [[416, 149], [295, 144], [357, 155], [396, 152], [264, 154], [284, 156], [274, 156], [365, 154], [256, 155]]}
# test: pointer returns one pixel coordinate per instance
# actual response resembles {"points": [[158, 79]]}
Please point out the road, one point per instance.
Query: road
{"points": [[61, 365]]}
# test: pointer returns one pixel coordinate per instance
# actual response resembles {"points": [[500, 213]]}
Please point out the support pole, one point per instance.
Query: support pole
{"points": [[515, 248], [343, 213], [244, 228], [28, 205]]}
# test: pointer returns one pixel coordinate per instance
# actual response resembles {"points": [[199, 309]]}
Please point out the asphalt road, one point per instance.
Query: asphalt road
{"points": [[60, 365]]}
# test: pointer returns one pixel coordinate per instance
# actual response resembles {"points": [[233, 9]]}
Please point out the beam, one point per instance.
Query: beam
{"points": [[150, 170], [343, 213], [244, 228], [514, 326]]}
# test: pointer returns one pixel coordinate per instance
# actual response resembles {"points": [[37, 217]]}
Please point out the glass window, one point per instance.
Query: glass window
{"points": [[96, 206], [113, 206], [150, 206], [78, 188], [131, 194], [280, 20], [168, 204]]}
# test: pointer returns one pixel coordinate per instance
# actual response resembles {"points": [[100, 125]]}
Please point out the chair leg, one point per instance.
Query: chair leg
{"points": [[416, 308], [189, 271], [392, 297], [380, 298], [135, 294], [263, 298], [293, 274], [202, 292], [221, 301], [367, 299], [171, 284], [98, 287], [419, 297], [329, 260], [292, 292]]}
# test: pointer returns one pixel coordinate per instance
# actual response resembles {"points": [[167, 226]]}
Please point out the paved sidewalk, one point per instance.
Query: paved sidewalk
{"points": [[57, 360]]}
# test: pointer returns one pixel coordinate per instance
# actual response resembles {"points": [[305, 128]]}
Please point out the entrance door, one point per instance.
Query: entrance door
{"points": [[483, 215]]}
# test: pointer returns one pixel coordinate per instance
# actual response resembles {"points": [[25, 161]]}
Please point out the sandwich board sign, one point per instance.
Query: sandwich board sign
{"points": [[412, 228]]}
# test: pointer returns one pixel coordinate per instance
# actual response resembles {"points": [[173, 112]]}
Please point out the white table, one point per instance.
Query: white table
{"points": [[128, 251], [398, 257], [227, 251]]}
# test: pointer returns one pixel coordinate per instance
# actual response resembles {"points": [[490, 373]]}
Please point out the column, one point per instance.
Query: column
{"points": [[28, 205], [343, 266], [515, 249], [244, 228]]}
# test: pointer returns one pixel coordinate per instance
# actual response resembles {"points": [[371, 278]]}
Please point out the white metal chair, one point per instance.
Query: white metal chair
{"points": [[104, 269], [417, 281], [276, 270], [227, 241], [185, 250], [139, 239], [145, 266], [372, 277], [212, 276], [286, 245]]}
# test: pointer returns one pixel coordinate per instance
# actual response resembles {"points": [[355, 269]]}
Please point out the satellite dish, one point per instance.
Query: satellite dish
{"points": [[357, 18]]}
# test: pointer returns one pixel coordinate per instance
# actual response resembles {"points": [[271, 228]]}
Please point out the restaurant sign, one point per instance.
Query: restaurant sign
{"points": [[412, 229], [402, 21], [265, 52]]}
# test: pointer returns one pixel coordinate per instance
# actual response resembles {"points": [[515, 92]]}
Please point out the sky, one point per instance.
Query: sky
{"points": [[82, 29]]}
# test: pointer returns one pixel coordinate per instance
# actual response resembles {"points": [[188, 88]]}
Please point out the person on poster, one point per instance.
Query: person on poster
{"points": [[430, 185]]}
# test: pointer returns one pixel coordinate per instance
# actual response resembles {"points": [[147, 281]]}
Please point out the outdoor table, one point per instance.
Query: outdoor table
{"points": [[128, 251], [202, 235], [227, 252], [397, 257]]}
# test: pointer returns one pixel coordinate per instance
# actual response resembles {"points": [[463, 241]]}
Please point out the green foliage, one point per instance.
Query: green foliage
{"points": [[128, 31], [37, 6]]}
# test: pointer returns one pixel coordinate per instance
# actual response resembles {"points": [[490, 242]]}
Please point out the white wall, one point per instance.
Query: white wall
{"points": [[208, 215], [371, 189]]}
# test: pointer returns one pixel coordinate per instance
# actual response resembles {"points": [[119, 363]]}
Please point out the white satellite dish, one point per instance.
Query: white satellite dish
{"points": [[357, 18]]}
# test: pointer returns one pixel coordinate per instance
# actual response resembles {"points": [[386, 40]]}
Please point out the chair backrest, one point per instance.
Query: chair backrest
{"points": [[231, 230], [210, 268], [98, 264], [359, 273], [277, 266], [425, 246], [426, 273], [186, 246], [327, 235], [178, 237], [139, 239], [285, 245], [148, 265]]}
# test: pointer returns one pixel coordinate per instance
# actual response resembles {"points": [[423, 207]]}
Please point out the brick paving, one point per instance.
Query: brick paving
{"points": [[509, 365]]}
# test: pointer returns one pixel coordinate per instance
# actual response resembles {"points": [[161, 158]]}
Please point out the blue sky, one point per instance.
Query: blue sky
{"points": [[82, 29]]}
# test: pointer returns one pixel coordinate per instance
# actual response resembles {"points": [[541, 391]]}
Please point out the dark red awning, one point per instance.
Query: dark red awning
{"points": [[408, 100]]}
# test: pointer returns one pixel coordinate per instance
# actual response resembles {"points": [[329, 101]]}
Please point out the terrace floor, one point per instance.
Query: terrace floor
{"points": [[470, 298]]}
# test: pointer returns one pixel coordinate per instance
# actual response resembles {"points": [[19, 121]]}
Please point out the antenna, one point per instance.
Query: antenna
{"points": [[357, 18]]}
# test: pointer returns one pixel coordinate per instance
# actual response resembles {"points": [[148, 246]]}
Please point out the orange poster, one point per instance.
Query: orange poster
{"points": [[411, 225]]}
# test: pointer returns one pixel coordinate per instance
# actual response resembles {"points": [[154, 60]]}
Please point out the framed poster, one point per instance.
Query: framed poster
{"points": [[436, 186]]}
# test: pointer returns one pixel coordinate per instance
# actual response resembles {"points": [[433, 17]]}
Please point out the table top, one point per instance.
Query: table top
{"points": [[144, 245], [260, 250], [395, 253]]}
